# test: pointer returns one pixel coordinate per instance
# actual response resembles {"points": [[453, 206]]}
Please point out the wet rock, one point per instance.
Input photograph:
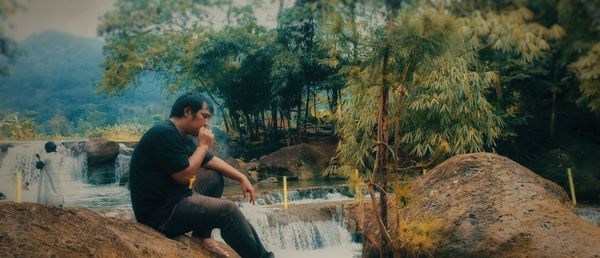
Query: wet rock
{"points": [[101, 151], [269, 181], [101, 155]]}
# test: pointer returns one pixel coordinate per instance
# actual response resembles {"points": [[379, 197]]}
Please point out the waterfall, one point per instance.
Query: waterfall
{"points": [[327, 238], [21, 157]]}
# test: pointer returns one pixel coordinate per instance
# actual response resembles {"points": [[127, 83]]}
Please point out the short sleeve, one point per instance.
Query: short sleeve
{"points": [[170, 152]]}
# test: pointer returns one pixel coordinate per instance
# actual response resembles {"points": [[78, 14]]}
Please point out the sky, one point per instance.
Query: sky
{"points": [[81, 17], [78, 17]]}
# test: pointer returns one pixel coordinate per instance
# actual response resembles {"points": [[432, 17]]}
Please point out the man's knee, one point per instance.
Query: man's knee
{"points": [[209, 183], [215, 176]]}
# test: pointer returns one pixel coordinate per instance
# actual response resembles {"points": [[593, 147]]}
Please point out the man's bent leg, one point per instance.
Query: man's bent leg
{"points": [[205, 213], [208, 183]]}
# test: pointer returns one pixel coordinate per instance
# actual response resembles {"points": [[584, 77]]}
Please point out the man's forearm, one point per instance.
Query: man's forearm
{"points": [[225, 169]]}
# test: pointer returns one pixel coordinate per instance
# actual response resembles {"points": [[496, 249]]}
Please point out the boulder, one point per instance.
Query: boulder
{"points": [[303, 161], [122, 164], [101, 155], [234, 163], [101, 151], [582, 158], [34, 230], [493, 207], [220, 146]]}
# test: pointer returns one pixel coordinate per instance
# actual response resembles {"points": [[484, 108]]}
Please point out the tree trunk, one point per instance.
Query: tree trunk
{"points": [[553, 115], [298, 120], [225, 118], [316, 114], [306, 114]]}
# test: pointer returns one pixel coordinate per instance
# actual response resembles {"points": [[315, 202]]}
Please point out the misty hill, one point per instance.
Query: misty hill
{"points": [[57, 75]]}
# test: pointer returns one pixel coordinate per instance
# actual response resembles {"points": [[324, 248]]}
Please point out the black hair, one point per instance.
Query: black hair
{"points": [[192, 100], [50, 147]]}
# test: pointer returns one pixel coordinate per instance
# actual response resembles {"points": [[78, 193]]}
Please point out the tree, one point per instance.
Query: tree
{"points": [[587, 70], [144, 37], [59, 126], [8, 50]]}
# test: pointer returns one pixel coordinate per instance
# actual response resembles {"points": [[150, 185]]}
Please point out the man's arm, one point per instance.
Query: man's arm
{"points": [[205, 140], [227, 170], [184, 176]]}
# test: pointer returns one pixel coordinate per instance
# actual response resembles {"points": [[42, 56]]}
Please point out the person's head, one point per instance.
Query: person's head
{"points": [[194, 110], [50, 146]]}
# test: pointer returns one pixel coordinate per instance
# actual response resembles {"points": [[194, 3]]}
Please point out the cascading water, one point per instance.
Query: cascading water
{"points": [[326, 238], [300, 239], [21, 157], [70, 177]]}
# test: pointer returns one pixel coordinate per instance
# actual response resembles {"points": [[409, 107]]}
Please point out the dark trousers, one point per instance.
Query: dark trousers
{"points": [[205, 210]]}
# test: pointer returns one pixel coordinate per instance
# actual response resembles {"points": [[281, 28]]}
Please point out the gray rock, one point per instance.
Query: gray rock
{"points": [[101, 151]]}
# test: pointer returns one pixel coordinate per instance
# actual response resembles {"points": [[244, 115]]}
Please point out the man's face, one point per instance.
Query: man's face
{"points": [[200, 119]]}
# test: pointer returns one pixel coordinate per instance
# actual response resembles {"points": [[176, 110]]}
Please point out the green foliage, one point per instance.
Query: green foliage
{"points": [[122, 132], [448, 104], [15, 127], [59, 126], [148, 36], [419, 236], [587, 70], [511, 30], [435, 75]]}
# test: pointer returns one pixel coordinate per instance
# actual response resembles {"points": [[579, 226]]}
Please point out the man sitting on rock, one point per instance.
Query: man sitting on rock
{"points": [[163, 163]]}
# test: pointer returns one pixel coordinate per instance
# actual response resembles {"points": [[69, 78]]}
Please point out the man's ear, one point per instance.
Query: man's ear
{"points": [[187, 112]]}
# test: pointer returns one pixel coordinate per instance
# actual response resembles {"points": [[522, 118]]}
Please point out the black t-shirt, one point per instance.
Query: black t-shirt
{"points": [[161, 151]]}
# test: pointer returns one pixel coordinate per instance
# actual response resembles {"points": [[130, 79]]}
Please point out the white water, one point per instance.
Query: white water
{"points": [[299, 239], [296, 239]]}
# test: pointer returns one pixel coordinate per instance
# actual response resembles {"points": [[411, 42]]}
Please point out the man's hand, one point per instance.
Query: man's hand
{"points": [[248, 190], [205, 137]]}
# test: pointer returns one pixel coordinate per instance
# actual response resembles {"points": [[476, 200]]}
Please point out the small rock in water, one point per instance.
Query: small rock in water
{"points": [[270, 180]]}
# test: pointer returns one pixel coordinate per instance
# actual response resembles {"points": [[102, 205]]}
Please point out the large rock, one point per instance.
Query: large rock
{"points": [[220, 147], [122, 163], [101, 155], [301, 161], [34, 230], [101, 151], [494, 207], [582, 158]]}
